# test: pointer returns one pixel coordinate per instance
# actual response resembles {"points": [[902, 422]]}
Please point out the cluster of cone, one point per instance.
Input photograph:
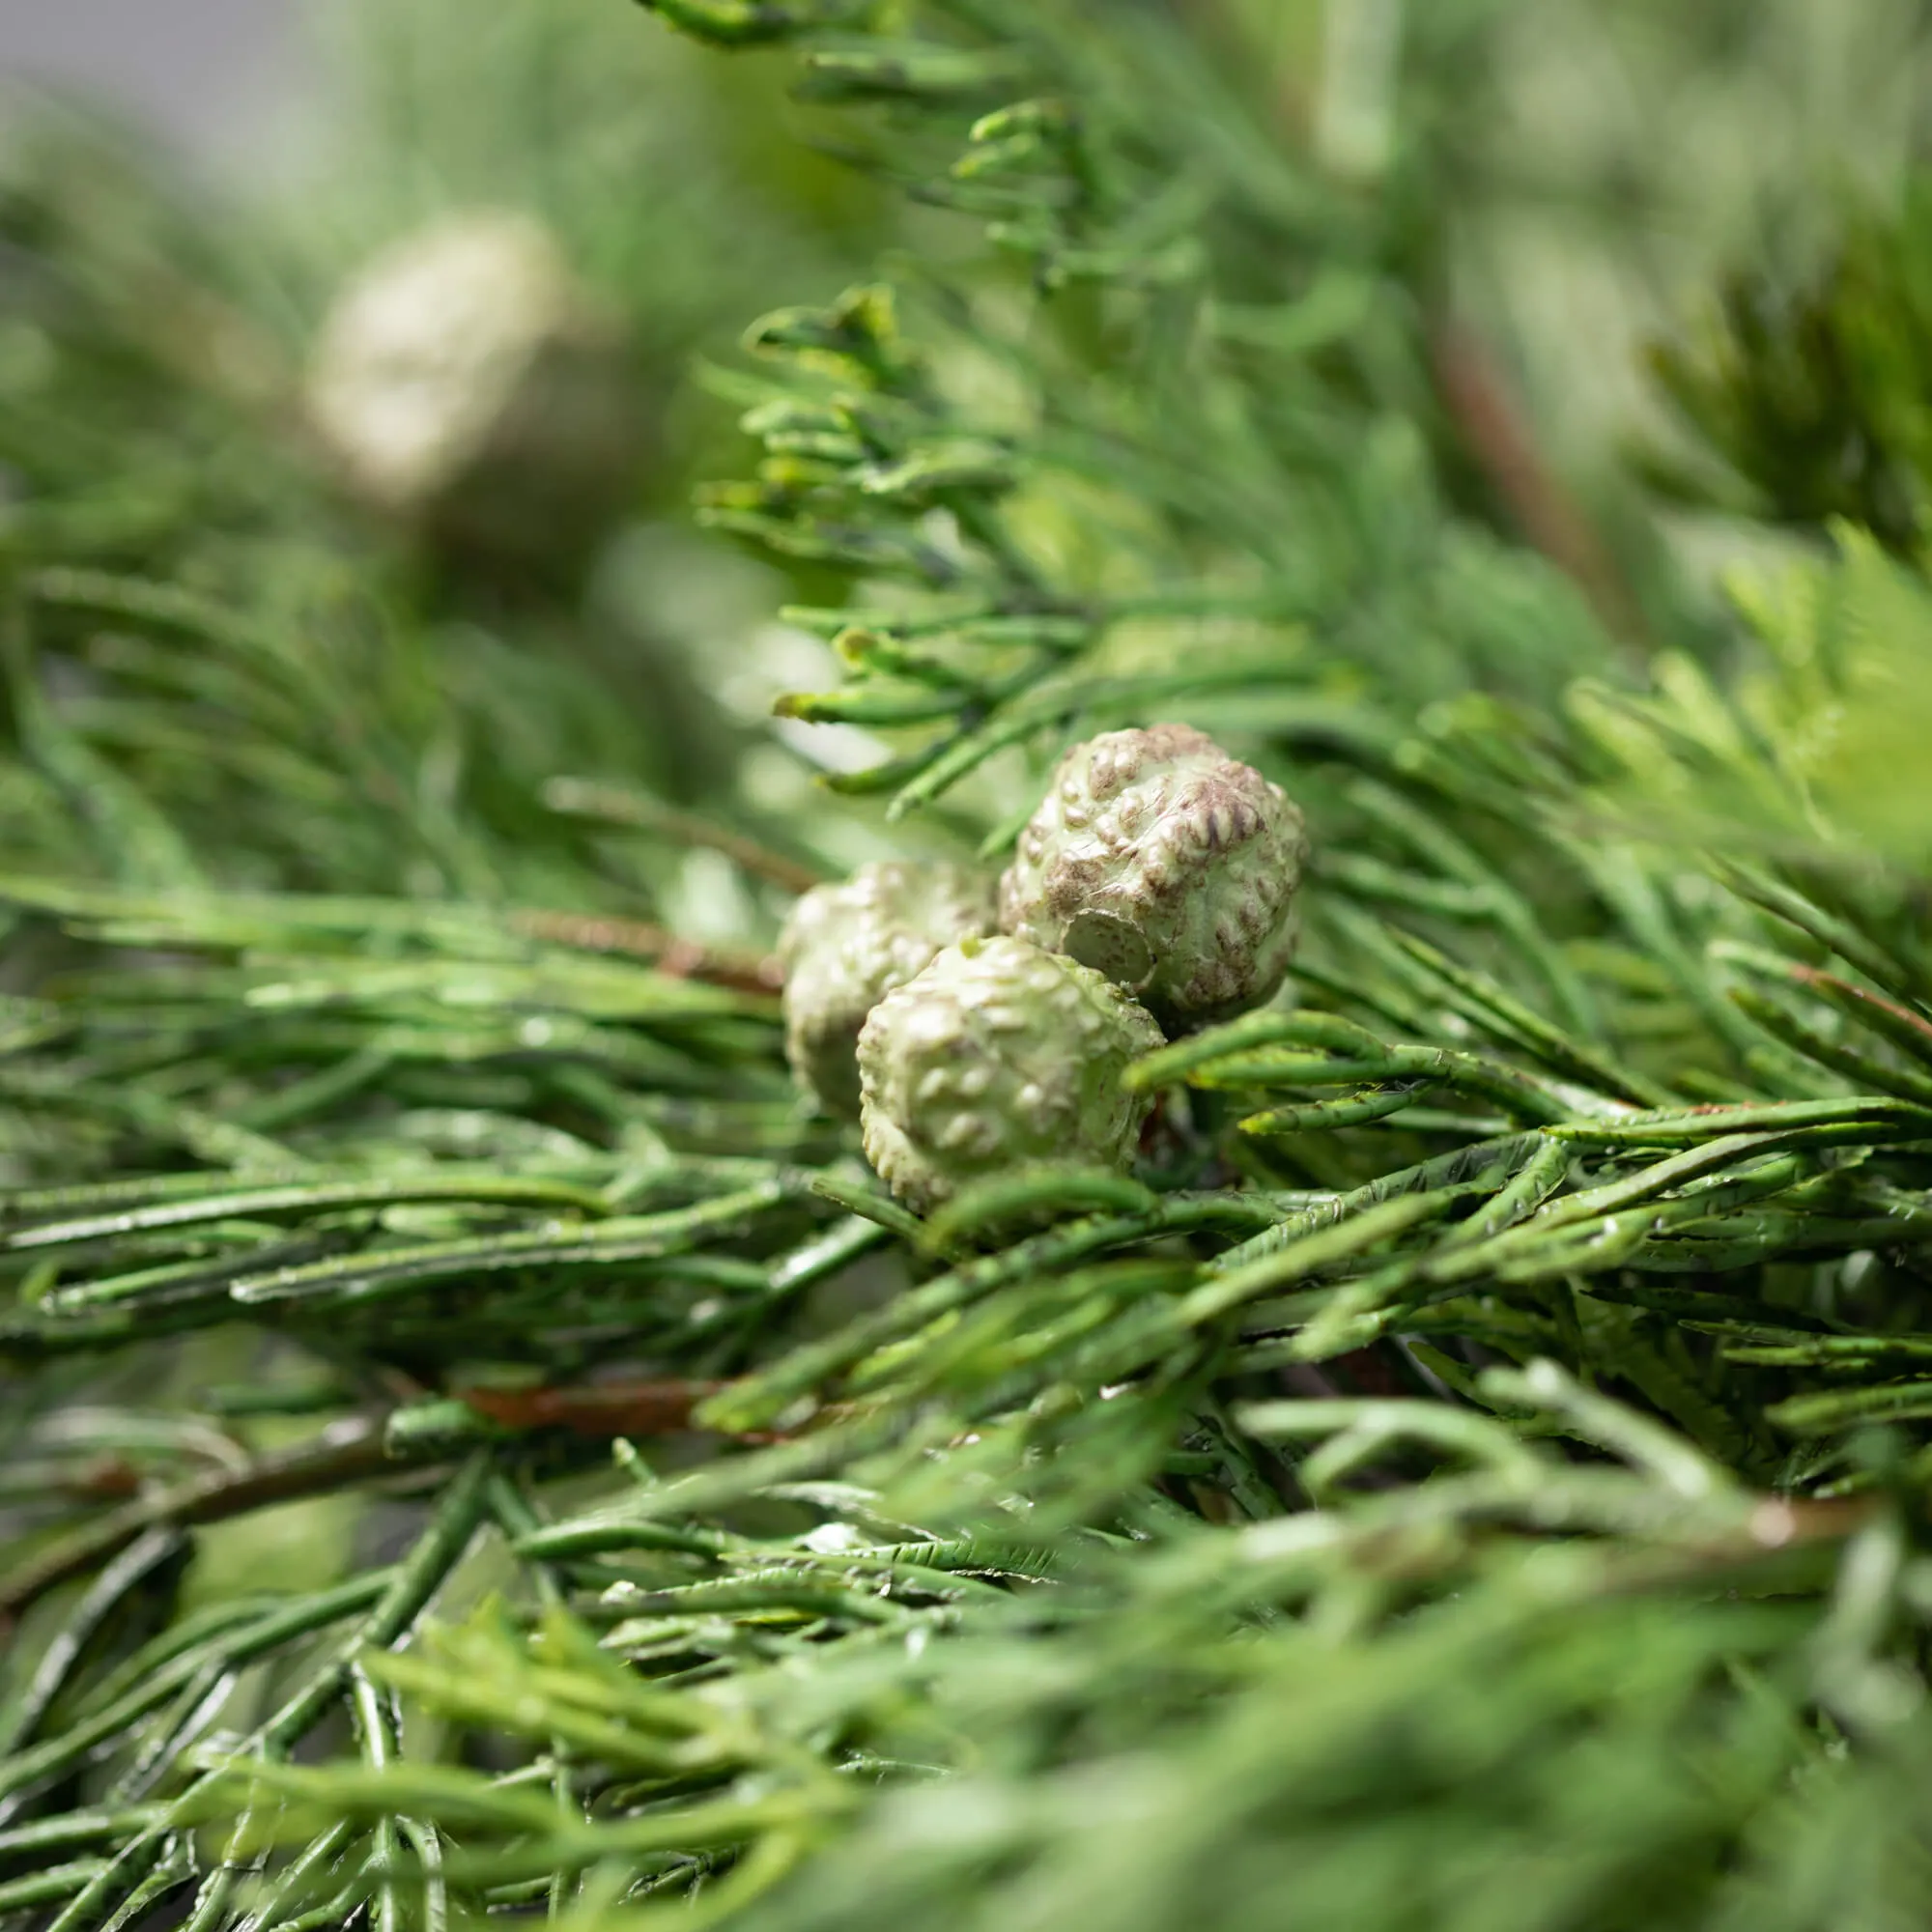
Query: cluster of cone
{"points": [[973, 1028]]}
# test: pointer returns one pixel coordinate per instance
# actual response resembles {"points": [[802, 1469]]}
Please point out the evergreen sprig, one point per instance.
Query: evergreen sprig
{"points": [[1472, 1473]]}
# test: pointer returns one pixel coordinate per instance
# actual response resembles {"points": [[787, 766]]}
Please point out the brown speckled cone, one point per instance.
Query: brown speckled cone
{"points": [[1166, 865]]}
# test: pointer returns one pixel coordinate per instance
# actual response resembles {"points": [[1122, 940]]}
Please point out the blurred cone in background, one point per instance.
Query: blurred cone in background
{"points": [[468, 386]]}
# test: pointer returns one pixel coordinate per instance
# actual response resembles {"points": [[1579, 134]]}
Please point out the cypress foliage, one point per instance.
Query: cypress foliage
{"points": [[476, 1441]]}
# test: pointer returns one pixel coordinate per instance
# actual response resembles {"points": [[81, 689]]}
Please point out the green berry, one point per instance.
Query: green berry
{"points": [[998, 1054], [1166, 865], [467, 384], [845, 946]]}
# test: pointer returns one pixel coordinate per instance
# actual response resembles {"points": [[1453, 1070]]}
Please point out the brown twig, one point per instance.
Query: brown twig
{"points": [[1478, 400], [1812, 976], [593, 1408], [611, 805], [678, 958], [350, 1453]]}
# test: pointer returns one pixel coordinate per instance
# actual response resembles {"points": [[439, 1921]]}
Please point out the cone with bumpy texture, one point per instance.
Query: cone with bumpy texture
{"points": [[997, 1055], [845, 946], [467, 385], [1166, 865]]}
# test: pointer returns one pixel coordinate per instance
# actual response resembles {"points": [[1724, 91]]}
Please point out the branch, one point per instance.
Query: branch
{"points": [[609, 805], [1473, 392], [348, 1453], [678, 958]]}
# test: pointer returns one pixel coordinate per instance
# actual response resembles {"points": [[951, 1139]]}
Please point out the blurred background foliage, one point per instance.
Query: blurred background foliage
{"points": [[1573, 189]]}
